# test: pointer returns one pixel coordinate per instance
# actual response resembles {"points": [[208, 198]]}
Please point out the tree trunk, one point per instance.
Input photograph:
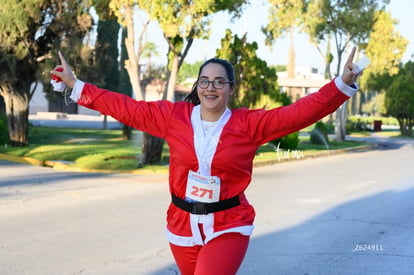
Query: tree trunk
{"points": [[291, 70], [354, 104], [151, 150], [340, 122], [17, 111], [406, 126], [132, 64], [172, 79], [338, 133], [126, 132], [344, 118], [105, 122], [151, 146]]}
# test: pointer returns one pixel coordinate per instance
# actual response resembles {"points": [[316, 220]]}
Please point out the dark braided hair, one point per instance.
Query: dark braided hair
{"points": [[193, 96]]}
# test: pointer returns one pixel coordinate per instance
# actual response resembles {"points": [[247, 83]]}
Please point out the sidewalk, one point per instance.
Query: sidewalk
{"points": [[56, 119]]}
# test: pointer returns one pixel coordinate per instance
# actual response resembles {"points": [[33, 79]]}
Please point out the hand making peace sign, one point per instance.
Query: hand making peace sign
{"points": [[350, 73], [66, 75]]}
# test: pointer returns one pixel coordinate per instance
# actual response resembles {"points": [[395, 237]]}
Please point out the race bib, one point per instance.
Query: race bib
{"points": [[200, 188]]}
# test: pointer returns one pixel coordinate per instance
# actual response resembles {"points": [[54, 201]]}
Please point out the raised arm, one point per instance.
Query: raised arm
{"points": [[151, 117], [275, 123]]}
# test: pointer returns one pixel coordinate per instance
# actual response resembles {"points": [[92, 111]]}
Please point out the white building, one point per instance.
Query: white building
{"points": [[306, 81]]}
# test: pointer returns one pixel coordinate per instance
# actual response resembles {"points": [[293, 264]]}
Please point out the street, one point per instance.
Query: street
{"points": [[342, 214]]}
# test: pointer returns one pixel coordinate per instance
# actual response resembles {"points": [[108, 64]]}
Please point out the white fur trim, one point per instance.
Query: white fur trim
{"points": [[77, 90]]}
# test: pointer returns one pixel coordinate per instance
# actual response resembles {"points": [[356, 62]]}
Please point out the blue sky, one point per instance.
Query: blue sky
{"points": [[255, 16]]}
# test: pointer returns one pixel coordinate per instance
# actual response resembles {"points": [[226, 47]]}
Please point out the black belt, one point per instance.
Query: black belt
{"points": [[200, 208]]}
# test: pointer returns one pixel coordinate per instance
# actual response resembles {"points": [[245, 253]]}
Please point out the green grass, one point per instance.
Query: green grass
{"points": [[104, 149], [82, 148], [305, 149]]}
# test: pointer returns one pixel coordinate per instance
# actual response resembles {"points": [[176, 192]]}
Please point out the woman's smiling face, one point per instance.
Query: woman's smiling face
{"points": [[213, 98]]}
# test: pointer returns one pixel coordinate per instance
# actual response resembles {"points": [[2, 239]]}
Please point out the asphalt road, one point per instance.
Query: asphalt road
{"points": [[344, 214]]}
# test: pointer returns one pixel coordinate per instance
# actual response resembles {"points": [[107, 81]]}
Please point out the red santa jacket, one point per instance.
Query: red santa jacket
{"points": [[245, 131]]}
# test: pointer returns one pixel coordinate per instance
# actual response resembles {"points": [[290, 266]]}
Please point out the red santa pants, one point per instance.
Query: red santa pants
{"points": [[222, 255]]}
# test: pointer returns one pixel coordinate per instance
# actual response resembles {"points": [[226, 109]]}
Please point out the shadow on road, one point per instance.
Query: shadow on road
{"points": [[372, 235], [48, 176], [386, 143], [365, 236]]}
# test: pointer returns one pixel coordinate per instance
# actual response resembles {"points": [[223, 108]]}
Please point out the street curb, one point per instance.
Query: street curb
{"points": [[24, 160], [65, 167]]}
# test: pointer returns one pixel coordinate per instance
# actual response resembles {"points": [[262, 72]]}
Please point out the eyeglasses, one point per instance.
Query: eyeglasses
{"points": [[218, 83]]}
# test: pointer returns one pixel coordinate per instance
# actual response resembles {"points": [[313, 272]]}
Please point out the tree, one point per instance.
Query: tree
{"points": [[124, 10], [347, 22], [257, 86], [18, 67], [287, 16], [375, 105], [255, 80], [150, 49], [106, 47], [188, 71], [399, 98], [29, 30], [181, 22], [385, 49]]}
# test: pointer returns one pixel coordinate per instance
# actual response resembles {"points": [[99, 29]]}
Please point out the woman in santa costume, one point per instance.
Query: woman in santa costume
{"points": [[209, 220]]}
